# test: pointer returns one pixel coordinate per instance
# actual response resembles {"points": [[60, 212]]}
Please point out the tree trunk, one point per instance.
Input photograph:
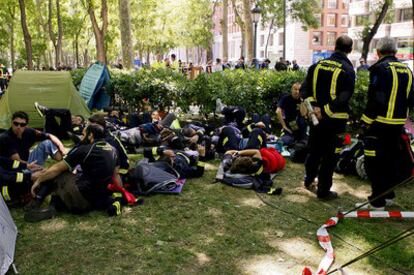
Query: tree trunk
{"points": [[224, 30], [268, 35], [368, 38], [60, 31], [26, 35], [126, 39], [248, 30], [12, 56], [85, 58], [77, 50], [241, 24], [99, 33]]}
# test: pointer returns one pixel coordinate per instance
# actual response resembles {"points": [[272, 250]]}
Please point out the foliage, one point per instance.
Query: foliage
{"points": [[300, 10], [360, 96], [256, 91]]}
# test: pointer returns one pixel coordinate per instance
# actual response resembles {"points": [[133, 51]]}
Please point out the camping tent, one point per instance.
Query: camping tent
{"points": [[7, 237], [51, 89], [92, 88]]}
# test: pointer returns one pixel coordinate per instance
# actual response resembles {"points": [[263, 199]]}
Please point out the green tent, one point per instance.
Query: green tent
{"points": [[51, 89]]}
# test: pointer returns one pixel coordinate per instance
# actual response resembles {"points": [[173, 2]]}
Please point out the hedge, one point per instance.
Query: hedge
{"points": [[257, 91]]}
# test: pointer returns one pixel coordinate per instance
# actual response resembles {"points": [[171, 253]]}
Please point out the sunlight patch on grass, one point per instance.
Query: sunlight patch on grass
{"points": [[214, 212], [54, 225], [297, 198], [210, 167], [302, 251], [270, 265], [251, 202], [88, 226], [202, 258], [343, 187]]}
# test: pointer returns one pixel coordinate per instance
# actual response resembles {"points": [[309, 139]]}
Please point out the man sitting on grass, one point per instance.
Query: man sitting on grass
{"points": [[85, 190], [16, 142]]}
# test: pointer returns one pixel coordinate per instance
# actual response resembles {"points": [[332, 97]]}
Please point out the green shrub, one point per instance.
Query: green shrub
{"points": [[256, 91]]}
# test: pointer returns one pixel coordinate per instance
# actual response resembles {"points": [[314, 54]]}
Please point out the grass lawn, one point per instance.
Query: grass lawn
{"points": [[216, 229]]}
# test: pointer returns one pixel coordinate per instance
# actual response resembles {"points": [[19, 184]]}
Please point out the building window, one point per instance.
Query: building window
{"points": [[317, 38], [331, 20], [361, 20], [271, 39], [332, 4], [330, 39], [404, 15], [344, 20], [281, 39], [262, 40]]}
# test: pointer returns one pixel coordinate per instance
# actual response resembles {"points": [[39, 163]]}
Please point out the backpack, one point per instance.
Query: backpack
{"points": [[154, 177], [348, 159], [299, 151]]}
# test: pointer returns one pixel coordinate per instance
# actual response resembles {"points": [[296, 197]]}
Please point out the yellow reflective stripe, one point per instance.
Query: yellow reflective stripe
{"points": [[201, 164], [398, 64], [370, 153], [410, 82], [123, 171], [334, 115], [225, 140], [315, 79], [338, 150], [19, 177], [393, 121], [393, 95], [311, 99], [117, 205], [260, 139], [366, 119], [187, 159], [259, 171], [120, 144], [16, 164], [116, 195], [154, 153], [5, 193], [334, 82], [249, 128], [331, 62]]}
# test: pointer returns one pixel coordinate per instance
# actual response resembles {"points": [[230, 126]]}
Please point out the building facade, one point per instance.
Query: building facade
{"points": [[304, 46], [398, 24], [334, 22]]}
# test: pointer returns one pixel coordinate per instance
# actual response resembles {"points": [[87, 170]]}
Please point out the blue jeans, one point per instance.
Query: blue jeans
{"points": [[42, 151]]}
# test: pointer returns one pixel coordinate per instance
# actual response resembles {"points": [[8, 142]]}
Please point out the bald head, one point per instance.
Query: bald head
{"points": [[344, 44]]}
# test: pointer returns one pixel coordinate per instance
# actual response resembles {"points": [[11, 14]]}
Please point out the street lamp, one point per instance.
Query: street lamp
{"points": [[255, 18]]}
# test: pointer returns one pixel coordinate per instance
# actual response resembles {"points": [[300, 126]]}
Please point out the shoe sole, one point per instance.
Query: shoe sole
{"points": [[39, 216], [38, 110]]}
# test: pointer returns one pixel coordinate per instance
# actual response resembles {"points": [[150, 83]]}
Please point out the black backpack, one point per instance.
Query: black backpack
{"points": [[348, 158]]}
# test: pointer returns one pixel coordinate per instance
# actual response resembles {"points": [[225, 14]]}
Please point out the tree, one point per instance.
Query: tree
{"points": [[369, 32], [224, 30], [241, 24], [26, 35], [99, 32], [248, 29], [126, 39], [57, 43]]}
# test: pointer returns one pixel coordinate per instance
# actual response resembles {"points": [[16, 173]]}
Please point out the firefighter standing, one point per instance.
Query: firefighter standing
{"points": [[329, 86], [390, 94]]}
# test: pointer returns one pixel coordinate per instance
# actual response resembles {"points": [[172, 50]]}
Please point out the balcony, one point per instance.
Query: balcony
{"points": [[403, 29]]}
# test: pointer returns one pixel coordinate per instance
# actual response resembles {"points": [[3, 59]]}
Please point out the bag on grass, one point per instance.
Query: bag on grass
{"points": [[154, 177]]}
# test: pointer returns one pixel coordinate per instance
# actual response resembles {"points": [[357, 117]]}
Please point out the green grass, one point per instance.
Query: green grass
{"points": [[215, 229]]}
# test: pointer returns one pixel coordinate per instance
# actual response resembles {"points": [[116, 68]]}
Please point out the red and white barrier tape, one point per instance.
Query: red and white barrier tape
{"points": [[325, 240]]}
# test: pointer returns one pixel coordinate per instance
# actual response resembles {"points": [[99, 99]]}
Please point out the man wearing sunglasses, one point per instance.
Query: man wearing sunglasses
{"points": [[16, 142]]}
